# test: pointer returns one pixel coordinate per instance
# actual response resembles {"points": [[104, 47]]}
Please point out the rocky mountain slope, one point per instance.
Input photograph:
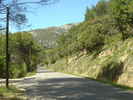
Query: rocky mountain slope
{"points": [[48, 36]]}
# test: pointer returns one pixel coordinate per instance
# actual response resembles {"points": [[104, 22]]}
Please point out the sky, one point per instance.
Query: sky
{"points": [[60, 13]]}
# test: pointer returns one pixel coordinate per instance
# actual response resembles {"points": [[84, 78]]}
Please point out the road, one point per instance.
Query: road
{"points": [[47, 85]]}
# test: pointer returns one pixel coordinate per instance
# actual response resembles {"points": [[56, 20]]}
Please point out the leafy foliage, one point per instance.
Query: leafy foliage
{"points": [[24, 54], [101, 9], [111, 70], [2, 66], [122, 13], [107, 23], [26, 49]]}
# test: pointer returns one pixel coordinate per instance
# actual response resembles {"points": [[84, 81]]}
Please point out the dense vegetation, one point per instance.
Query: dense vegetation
{"points": [[24, 54], [107, 25]]}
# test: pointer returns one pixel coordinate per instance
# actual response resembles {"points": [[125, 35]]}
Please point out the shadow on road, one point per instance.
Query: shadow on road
{"points": [[77, 89]]}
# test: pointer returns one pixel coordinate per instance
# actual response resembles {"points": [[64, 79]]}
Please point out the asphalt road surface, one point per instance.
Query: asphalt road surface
{"points": [[47, 85]]}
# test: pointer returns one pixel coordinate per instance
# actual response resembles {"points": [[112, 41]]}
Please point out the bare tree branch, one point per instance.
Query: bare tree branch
{"points": [[18, 8], [2, 29], [40, 2]]}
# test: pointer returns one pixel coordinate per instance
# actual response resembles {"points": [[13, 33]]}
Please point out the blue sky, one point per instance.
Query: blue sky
{"points": [[62, 12]]}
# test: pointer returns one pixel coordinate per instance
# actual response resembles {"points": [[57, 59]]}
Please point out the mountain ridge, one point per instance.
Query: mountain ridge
{"points": [[47, 36]]}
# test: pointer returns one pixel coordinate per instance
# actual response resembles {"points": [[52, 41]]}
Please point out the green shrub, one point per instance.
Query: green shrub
{"points": [[23, 70], [17, 70], [46, 62], [91, 39], [122, 14], [111, 70], [2, 67], [113, 39]]}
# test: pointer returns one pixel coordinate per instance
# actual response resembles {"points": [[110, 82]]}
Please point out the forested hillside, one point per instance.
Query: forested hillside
{"points": [[100, 47]]}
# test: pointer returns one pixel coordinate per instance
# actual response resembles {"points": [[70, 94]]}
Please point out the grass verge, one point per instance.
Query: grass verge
{"points": [[30, 74], [112, 84], [11, 93], [101, 81]]}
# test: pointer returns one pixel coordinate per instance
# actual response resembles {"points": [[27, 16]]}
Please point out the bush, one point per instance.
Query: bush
{"points": [[111, 70], [2, 67], [23, 70], [113, 39], [91, 39], [17, 70], [46, 62]]}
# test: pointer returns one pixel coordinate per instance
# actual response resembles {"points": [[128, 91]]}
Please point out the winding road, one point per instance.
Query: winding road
{"points": [[47, 85]]}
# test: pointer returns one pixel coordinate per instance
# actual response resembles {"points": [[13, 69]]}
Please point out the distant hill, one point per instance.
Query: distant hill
{"points": [[48, 36]]}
